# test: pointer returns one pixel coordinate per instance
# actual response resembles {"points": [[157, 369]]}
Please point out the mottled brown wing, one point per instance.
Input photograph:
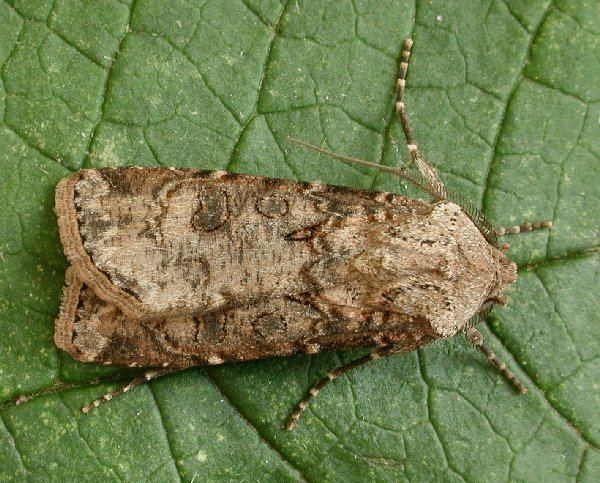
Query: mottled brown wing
{"points": [[164, 243], [92, 330]]}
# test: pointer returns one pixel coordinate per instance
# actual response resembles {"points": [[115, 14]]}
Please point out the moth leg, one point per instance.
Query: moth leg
{"points": [[148, 376], [331, 376], [538, 225], [476, 338], [400, 85], [416, 157]]}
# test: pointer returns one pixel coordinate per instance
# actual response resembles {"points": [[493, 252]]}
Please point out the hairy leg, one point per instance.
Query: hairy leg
{"points": [[146, 377], [427, 171], [332, 376], [538, 225], [476, 338]]}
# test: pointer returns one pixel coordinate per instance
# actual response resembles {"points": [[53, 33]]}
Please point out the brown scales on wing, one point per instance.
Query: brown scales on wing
{"points": [[101, 333]]}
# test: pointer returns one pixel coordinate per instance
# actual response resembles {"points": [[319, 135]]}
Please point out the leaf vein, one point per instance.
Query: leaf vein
{"points": [[249, 423], [503, 115], [13, 441], [542, 393], [428, 399], [164, 431], [104, 94], [258, 93], [88, 447], [560, 316]]}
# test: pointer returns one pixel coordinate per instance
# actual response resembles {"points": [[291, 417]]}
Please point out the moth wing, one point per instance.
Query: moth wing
{"points": [[93, 330], [165, 243]]}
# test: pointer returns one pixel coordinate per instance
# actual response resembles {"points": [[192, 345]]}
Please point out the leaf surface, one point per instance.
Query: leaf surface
{"points": [[504, 98]]}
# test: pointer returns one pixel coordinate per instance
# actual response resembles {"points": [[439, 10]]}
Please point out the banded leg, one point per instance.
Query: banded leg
{"points": [[331, 376], [476, 338], [416, 157], [401, 84], [538, 225], [148, 376], [46, 392]]}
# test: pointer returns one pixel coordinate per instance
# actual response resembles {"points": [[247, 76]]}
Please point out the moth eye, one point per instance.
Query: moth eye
{"points": [[272, 206], [497, 300], [212, 209]]}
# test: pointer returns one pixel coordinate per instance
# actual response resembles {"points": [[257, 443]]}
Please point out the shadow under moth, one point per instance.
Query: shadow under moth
{"points": [[173, 268]]}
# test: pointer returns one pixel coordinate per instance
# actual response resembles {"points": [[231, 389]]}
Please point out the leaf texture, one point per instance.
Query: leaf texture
{"points": [[504, 98]]}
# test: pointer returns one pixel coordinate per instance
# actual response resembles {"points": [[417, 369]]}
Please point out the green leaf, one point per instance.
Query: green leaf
{"points": [[504, 98]]}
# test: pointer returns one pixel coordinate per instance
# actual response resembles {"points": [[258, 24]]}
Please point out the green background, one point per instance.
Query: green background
{"points": [[504, 98]]}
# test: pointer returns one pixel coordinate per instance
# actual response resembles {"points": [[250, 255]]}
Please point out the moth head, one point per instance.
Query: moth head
{"points": [[506, 274]]}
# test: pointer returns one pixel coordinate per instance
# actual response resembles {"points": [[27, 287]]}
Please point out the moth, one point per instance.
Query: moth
{"points": [[173, 268]]}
